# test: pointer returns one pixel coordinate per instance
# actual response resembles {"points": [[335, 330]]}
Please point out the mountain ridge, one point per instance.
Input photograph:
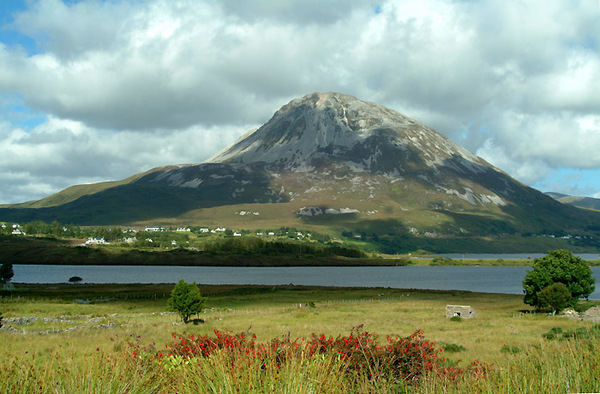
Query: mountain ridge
{"points": [[576, 201]]}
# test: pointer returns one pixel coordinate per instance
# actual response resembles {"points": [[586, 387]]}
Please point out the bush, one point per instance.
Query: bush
{"points": [[75, 279], [510, 349], [456, 318], [442, 261], [555, 297], [453, 348], [553, 333], [186, 300], [578, 333]]}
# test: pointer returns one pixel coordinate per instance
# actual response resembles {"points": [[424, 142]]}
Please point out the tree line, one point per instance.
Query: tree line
{"points": [[257, 246], [61, 230]]}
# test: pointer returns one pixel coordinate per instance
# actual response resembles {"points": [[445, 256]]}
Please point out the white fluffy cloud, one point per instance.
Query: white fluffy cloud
{"points": [[61, 153], [126, 86]]}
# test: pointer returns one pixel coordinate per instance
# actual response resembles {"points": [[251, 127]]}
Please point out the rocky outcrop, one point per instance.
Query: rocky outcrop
{"points": [[592, 314], [61, 324]]}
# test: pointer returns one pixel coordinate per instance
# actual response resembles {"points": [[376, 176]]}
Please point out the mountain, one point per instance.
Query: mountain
{"points": [[330, 162], [577, 201]]}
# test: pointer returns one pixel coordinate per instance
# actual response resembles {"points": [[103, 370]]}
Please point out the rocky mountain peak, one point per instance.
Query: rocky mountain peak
{"points": [[333, 129]]}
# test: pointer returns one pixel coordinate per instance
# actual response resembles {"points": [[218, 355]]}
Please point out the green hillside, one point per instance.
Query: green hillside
{"points": [[74, 192]]}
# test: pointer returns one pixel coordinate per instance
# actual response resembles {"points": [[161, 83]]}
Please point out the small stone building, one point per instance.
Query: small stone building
{"points": [[463, 311]]}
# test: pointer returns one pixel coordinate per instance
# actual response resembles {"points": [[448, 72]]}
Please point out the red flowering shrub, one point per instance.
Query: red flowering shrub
{"points": [[398, 359], [204, 346]]}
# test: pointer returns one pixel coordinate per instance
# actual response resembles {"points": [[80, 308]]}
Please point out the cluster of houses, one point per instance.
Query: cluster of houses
{"points": [[96, 241], [16, 229]]}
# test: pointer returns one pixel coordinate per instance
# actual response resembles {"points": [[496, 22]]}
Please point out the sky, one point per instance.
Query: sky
{"points": [[99, 90]]}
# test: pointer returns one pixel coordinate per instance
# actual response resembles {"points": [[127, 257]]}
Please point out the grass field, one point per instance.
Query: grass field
{"points": [[67, 346]]}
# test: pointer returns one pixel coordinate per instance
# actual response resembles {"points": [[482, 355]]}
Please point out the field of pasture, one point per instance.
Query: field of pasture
{"points": [[122, 338]]}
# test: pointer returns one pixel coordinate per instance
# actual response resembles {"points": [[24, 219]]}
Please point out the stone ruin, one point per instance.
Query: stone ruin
{"points": [[592, 314], [462, 311]]}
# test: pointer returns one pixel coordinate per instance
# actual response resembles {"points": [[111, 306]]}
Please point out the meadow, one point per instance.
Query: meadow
{"points": [[121, 338]]}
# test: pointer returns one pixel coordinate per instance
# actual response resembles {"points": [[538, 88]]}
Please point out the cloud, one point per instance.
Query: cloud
{"points": [[515, 82], [297, 12], [60, 153]]}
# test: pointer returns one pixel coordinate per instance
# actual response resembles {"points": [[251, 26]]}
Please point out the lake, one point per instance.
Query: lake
{"points": [[506, 280]]}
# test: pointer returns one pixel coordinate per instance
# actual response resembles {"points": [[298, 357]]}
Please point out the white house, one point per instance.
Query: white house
{"points": [[96, 241]]}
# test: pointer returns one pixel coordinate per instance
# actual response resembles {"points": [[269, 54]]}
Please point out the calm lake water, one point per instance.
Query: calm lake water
{"points": [[506, 280]]}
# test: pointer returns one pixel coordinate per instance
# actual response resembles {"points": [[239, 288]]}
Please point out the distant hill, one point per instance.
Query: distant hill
{"points": [[334, 163], [581, 202]]}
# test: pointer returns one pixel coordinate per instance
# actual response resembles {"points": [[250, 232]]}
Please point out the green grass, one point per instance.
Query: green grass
{"points": [[85, 357]]}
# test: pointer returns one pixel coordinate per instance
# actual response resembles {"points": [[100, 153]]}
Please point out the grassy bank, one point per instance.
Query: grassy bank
{"points": [[223, 252], [71, 346], [31, 250]]}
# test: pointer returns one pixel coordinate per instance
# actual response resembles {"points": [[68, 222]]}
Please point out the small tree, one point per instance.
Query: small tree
{"points": [[555, 297], [75, 279], [6, 273], [558, 266], [186, 300]]}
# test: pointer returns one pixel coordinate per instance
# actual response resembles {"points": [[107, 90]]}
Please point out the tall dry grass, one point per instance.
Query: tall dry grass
{"points": [[549, 367], [96, 360]]}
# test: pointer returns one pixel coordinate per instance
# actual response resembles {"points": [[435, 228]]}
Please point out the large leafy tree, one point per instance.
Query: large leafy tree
{"points": [[6, 273], [558, 266], [186, 300]]}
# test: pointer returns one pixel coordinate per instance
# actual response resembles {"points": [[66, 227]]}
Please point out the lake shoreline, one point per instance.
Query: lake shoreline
{"points": [[488, 279]]}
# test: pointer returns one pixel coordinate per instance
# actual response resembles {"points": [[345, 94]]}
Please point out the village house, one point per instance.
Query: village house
{"points": [[96, 241], [154, 229]]}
